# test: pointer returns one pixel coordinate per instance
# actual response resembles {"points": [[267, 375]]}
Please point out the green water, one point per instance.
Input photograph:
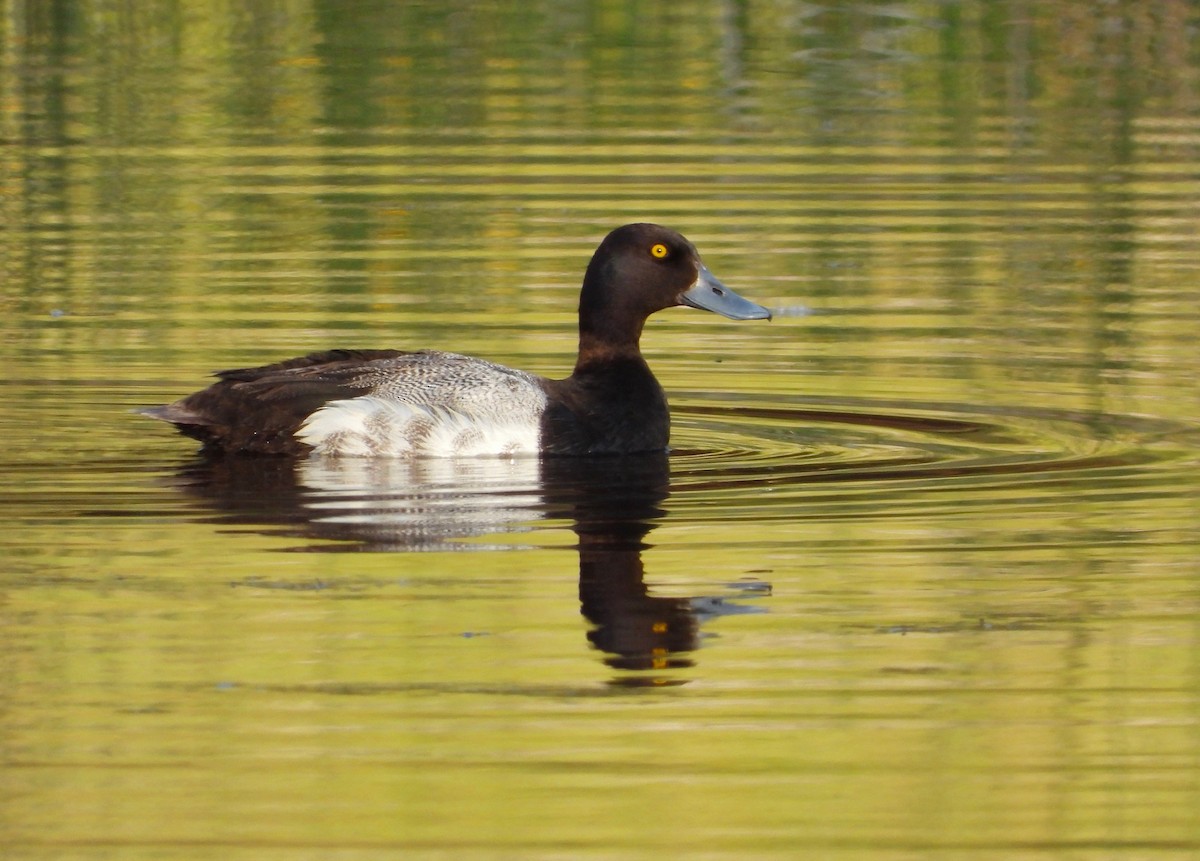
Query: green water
{"points": [[920, 578]]}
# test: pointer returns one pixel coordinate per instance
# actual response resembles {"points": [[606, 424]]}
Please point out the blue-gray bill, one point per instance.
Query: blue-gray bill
{"points": [[709, 294]]}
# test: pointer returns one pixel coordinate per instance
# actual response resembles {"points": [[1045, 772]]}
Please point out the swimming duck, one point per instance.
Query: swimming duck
{"points": [[391, 403]]}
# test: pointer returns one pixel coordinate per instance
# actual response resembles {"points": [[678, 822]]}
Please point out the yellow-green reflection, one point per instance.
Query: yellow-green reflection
{"points": [[969, 474]]}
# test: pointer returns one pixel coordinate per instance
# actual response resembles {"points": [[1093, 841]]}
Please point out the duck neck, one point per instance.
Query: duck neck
{"points": [[610, 320], [615, 343]]}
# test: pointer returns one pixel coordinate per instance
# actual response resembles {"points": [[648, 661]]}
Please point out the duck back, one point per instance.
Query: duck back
{"points": [[365, 402]]}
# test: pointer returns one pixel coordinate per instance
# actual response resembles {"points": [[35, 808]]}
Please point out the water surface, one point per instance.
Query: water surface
{"points": [[918, 579]]}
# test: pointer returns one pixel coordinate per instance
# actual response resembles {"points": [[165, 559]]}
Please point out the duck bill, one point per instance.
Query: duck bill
{"points": [[709, 294]]}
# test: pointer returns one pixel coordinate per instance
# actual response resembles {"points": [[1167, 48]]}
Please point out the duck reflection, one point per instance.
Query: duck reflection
{"points": [[612, 504]]}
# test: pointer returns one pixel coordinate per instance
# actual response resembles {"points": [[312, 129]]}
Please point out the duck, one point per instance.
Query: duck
{"points": [[432, 403]]}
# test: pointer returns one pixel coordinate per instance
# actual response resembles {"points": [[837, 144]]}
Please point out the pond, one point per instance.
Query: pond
{"points": [[918, 578]]}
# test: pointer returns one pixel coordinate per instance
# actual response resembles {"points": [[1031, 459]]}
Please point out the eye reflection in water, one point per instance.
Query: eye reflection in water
{"points": [[612, 504]]}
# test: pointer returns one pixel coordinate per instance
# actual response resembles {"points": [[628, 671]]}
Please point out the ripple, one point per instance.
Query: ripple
{"points": [[760, 460], [815, 447]]}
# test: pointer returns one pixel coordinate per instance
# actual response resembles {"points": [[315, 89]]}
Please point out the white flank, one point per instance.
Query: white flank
{"points": [[374, 426]]}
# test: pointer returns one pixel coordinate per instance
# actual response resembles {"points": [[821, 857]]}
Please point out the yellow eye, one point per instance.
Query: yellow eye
{"points": [[659, 250]]}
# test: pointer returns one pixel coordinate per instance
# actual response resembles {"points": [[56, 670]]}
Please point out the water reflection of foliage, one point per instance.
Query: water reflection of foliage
{"points": [[315, 166]]}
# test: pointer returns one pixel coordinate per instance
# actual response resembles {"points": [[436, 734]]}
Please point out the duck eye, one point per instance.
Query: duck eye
{"points": [[658, 250]]}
